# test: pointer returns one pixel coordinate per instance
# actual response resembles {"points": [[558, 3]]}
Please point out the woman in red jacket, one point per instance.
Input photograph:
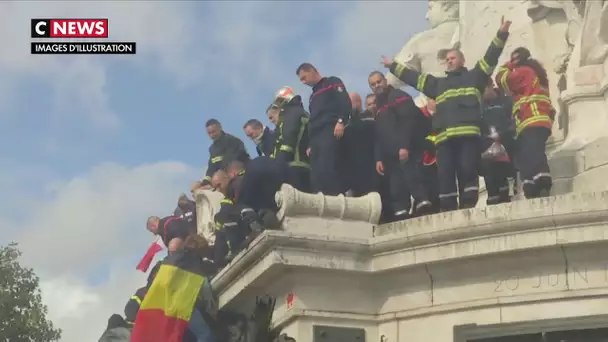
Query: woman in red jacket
{"points": [[526, 80]]}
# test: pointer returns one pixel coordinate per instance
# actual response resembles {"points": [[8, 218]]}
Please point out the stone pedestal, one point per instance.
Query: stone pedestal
{"points": [[581, 162], [418, 279]]}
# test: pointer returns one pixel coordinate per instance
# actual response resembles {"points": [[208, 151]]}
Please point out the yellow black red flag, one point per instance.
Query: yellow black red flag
{"points": [[167, 307]]}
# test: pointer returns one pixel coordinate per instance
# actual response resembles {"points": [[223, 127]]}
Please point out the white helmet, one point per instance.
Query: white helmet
{"points": [[283, 96]]}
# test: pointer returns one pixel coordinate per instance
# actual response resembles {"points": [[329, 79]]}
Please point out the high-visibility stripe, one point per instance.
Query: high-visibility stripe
{"points": [[207, 178], [226, 201], [286, 148], [399, 69], [499, 43], [457, 132], [421, 81], [530, 99], [485, 67], [174, 291], [297, 158], [431, 138], [504, 78], [135, 298], [451, 93], [216, 160], [532, 120]]}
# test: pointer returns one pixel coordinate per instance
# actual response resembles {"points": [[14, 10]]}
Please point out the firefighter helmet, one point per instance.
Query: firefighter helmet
{"points": [[283, 96]]}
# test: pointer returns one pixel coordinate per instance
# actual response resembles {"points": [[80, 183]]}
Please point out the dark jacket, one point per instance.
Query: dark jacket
{"points": [[399, 124], [497, 114], [266, 146], [226, 149], [172, 227], [187, 212], [292, 135], [328, 103], [458, 95], [132, 307]]}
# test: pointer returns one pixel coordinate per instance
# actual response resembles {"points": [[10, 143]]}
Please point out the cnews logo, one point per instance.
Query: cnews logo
{"points": [[69, 28]]}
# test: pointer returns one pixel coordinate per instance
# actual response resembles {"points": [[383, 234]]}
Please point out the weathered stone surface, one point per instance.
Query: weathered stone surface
{"points": [[468, 266]]}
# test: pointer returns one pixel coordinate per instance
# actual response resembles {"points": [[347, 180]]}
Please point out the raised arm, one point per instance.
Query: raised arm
{"points": [[424, 83], [486, 65]]}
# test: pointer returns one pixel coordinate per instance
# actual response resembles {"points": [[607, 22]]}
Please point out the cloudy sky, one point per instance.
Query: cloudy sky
{"points": [[91, 146]]}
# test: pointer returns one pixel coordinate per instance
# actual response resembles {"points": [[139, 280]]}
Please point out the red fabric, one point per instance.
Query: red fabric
{"points": [[146, 261], [155, 326], [429, 158], [523, 82]]}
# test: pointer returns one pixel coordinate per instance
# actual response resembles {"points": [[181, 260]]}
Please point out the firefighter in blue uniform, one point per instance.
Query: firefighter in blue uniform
{"points": [[224, 149], [329, 107], [458, 118], [291, 137], [263, 137]]}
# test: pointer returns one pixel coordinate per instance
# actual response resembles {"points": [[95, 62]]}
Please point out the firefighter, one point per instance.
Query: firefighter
{"points": [[261, 179], [224, 149], [263, 137], [132, 306], [230, 230], [458, 99], [292, 138], [429, 158], [497, 126], [329, 107], [526, 80], [359, 138], [400, 132]]}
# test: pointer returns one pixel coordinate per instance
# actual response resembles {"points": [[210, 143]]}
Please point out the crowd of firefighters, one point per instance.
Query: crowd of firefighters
{"points": [[432, 151]]}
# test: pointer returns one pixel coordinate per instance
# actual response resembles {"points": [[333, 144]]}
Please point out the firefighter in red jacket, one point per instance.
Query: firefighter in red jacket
{"points": [[526, 80]]}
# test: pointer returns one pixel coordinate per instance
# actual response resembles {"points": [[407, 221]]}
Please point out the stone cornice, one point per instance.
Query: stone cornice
{"points": [[519, 226]]}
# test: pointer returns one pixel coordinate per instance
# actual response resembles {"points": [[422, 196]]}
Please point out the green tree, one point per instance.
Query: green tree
{"points": [[22, 314]]}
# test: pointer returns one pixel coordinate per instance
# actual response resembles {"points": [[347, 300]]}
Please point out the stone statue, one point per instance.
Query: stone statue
{"points": [[421, 52], [594, 33], [207, 205]]}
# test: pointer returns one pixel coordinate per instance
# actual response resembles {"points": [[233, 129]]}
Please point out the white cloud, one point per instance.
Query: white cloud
{"points": [[90, 225], [362, 33], [161, 29]]}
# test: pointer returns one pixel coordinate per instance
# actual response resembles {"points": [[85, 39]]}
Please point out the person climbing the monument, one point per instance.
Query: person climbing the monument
{"points": [[400, 132], [359, 138], [224, 149], [497, 129], [262, 177], [526, 79], [458, 98], [263, 137], [292, 138], [186, 210], [230, 230], [329, 108], [132, 306], [179, 305], [171, 229]]}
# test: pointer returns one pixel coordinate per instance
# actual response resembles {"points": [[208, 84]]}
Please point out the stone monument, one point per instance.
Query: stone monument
{"points": [[530, 266]]}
